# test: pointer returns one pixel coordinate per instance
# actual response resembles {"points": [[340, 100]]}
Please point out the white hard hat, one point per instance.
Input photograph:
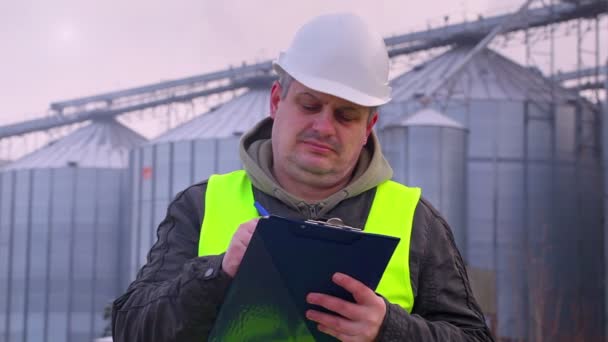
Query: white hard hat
{"points": [[338, 54]]}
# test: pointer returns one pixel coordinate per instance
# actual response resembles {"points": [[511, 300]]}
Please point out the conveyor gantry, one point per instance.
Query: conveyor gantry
{"points": [[181, 90]]}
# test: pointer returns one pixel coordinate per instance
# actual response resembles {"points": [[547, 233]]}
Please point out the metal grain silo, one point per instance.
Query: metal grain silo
{"points": [[534, 208], [428, 150], [62, 235], [605, 168], [185, 155]]}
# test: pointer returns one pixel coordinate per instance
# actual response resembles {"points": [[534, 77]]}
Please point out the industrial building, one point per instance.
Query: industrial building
{"points": [[532, 187], [514, 158], [186, 155], [60, 213]]}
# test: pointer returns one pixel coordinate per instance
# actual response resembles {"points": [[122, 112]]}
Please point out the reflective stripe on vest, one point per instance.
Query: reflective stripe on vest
{"points": [[229, 202]]}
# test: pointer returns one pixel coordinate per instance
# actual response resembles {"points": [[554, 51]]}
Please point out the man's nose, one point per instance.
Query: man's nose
{"points": [[324, 122]]}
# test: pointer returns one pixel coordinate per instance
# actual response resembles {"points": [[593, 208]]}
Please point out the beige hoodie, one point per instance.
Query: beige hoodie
{"points": [[256, 155]]}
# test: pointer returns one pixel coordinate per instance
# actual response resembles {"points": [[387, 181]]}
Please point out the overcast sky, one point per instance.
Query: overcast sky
{"points": [[63, 49], [58, 50]]}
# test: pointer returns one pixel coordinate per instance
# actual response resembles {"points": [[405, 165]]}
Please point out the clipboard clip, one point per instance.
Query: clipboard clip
{"points": [[333, 222]]}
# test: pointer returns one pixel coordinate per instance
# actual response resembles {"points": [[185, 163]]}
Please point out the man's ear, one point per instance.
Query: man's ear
{"points": [[275, 97], [370, 124]]}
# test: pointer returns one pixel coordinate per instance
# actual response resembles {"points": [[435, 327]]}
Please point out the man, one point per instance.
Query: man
{"points": [[316, 157]]}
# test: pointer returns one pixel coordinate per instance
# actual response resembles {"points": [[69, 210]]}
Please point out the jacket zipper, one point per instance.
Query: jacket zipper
{"points": [[314, 210]]}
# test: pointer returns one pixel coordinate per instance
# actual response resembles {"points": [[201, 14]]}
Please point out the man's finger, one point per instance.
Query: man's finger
{"points": [[345, 308], [362, 294], [333, 322], [324, 329], [251, 225]]}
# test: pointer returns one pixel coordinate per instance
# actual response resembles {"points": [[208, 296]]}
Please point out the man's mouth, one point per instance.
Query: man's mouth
{"points": [[320, 147]]}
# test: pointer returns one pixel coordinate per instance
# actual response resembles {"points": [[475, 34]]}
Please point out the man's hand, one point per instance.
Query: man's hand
{"points": [[361, 321], [238, 245]]}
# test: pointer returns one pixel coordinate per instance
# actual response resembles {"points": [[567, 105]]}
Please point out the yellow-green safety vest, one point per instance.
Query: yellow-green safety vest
{"points": [[229, 202]]}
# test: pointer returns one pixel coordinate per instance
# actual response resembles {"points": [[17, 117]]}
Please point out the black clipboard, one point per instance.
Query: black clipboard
{"points": [[287, 259]]}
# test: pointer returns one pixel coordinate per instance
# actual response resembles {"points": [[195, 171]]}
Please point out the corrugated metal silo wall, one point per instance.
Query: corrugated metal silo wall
{"points": [[604, 135], [534, 215], [161, 171], [434, 159], [59, 232], [589, 240]]}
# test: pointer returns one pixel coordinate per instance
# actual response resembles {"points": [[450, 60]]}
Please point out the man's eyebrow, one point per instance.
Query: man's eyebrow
{"points": [[306, 93], [348, 108], [344, 108]]}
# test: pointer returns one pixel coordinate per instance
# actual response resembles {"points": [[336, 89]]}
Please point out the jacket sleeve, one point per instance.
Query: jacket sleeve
{"points": [[444, 306], [177, 294]]}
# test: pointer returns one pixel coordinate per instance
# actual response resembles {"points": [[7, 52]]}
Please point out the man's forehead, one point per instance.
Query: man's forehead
{"points": [[300, 89]]}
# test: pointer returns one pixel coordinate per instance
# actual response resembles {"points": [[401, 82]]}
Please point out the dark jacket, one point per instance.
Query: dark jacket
{"points": [[177, 294]]}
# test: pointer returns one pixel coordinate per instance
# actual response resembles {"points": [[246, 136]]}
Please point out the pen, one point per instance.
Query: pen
{"points": [[261, 210]]}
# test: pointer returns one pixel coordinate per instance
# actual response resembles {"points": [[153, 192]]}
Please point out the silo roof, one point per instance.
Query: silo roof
{"points": [[230, 119], [428, 117], [100, 144], [489, 75]]}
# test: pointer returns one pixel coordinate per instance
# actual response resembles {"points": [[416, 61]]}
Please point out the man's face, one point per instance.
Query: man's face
{"points": [[316, 137]]}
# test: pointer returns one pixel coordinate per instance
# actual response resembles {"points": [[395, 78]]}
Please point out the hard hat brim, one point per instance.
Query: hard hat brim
{"points": [[332, 88]]}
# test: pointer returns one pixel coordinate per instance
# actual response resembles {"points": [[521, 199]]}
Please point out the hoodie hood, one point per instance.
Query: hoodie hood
{"points": [[256, 155]]}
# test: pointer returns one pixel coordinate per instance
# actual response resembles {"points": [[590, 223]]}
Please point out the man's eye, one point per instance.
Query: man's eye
{"points": [[310, 108], [346, 117]]}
